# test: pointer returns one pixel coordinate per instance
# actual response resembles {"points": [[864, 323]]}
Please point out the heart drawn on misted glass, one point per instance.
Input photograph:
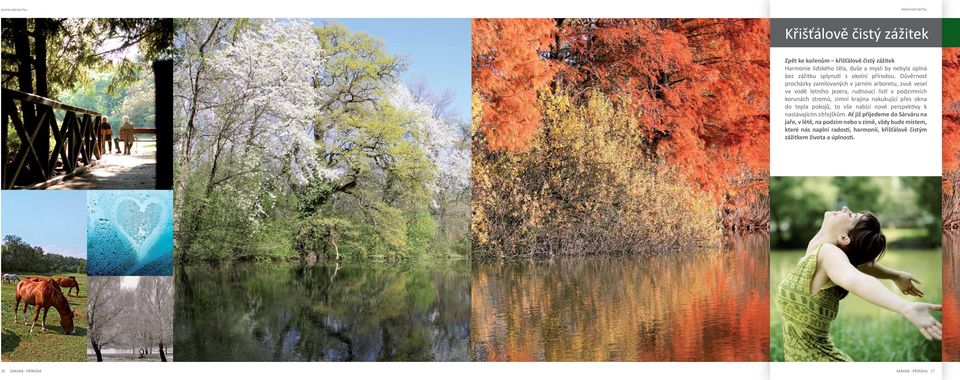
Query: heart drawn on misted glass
{"points": [[139, 222]]}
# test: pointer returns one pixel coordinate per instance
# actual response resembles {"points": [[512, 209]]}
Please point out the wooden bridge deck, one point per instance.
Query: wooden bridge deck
{"points": [[116, 172]]}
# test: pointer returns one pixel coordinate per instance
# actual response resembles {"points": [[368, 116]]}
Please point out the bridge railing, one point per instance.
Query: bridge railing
{"points": [[76, 139]]}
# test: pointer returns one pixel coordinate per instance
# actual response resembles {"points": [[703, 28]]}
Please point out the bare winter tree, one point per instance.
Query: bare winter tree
{"points": [[136, 315], [158, 296], [105, 312], [139, 334]]}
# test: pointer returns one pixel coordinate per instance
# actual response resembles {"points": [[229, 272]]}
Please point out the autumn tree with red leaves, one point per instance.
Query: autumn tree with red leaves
{"points": [[951, 199], [951, 138], [508, 73], [700, 88], [696, 92]]}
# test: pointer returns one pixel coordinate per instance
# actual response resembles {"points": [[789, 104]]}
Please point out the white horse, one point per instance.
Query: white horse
{"points": [[10, 277]]}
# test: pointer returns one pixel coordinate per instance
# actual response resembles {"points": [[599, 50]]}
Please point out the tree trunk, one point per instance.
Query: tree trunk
{"points": [[40, 63], [191, 234], [40, 31], [163, 357], [21, 44], [96, 349], [163, 99], [186, 151]]}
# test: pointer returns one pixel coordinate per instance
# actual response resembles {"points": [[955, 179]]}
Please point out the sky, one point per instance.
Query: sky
{"points": [[53, 219], [436, 49], [130, 282]]}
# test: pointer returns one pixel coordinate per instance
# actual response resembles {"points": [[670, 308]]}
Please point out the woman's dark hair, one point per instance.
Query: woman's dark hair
{"points": [[867, 242]]}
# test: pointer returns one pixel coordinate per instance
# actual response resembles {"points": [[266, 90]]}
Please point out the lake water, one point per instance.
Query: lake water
{"points": [[689, 306], [417, 311]]}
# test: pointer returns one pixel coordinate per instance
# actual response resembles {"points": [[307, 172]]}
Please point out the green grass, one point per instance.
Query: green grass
{"points": [[862, 330], [53, 345]]}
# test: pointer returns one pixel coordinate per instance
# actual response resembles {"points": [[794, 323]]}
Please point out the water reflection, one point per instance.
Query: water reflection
{"points": [[704, 306], [951, 291], [362, 312]]}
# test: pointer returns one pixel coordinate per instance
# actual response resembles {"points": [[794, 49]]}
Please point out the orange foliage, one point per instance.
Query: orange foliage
{"points": [[698, 87], [951, 109], [951, 137], [508, 72]]}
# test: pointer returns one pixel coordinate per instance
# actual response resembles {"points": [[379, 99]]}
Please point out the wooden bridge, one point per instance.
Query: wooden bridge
{"points": [[76, 160], [75, 149]]}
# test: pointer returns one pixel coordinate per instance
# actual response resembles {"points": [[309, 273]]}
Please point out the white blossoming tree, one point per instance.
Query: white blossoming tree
{"points": [[302, 140]]}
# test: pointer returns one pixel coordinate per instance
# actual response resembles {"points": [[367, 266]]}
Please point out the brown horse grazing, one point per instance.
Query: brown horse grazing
{"points": [[43, 293], [70, 283], [54, 282]]}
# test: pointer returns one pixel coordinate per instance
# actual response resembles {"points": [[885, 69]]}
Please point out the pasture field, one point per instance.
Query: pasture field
{"points": [[53, 345]]}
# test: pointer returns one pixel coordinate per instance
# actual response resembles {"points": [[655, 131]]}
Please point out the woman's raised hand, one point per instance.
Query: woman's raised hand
{"points": [[908, 284], [918, 313]]}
